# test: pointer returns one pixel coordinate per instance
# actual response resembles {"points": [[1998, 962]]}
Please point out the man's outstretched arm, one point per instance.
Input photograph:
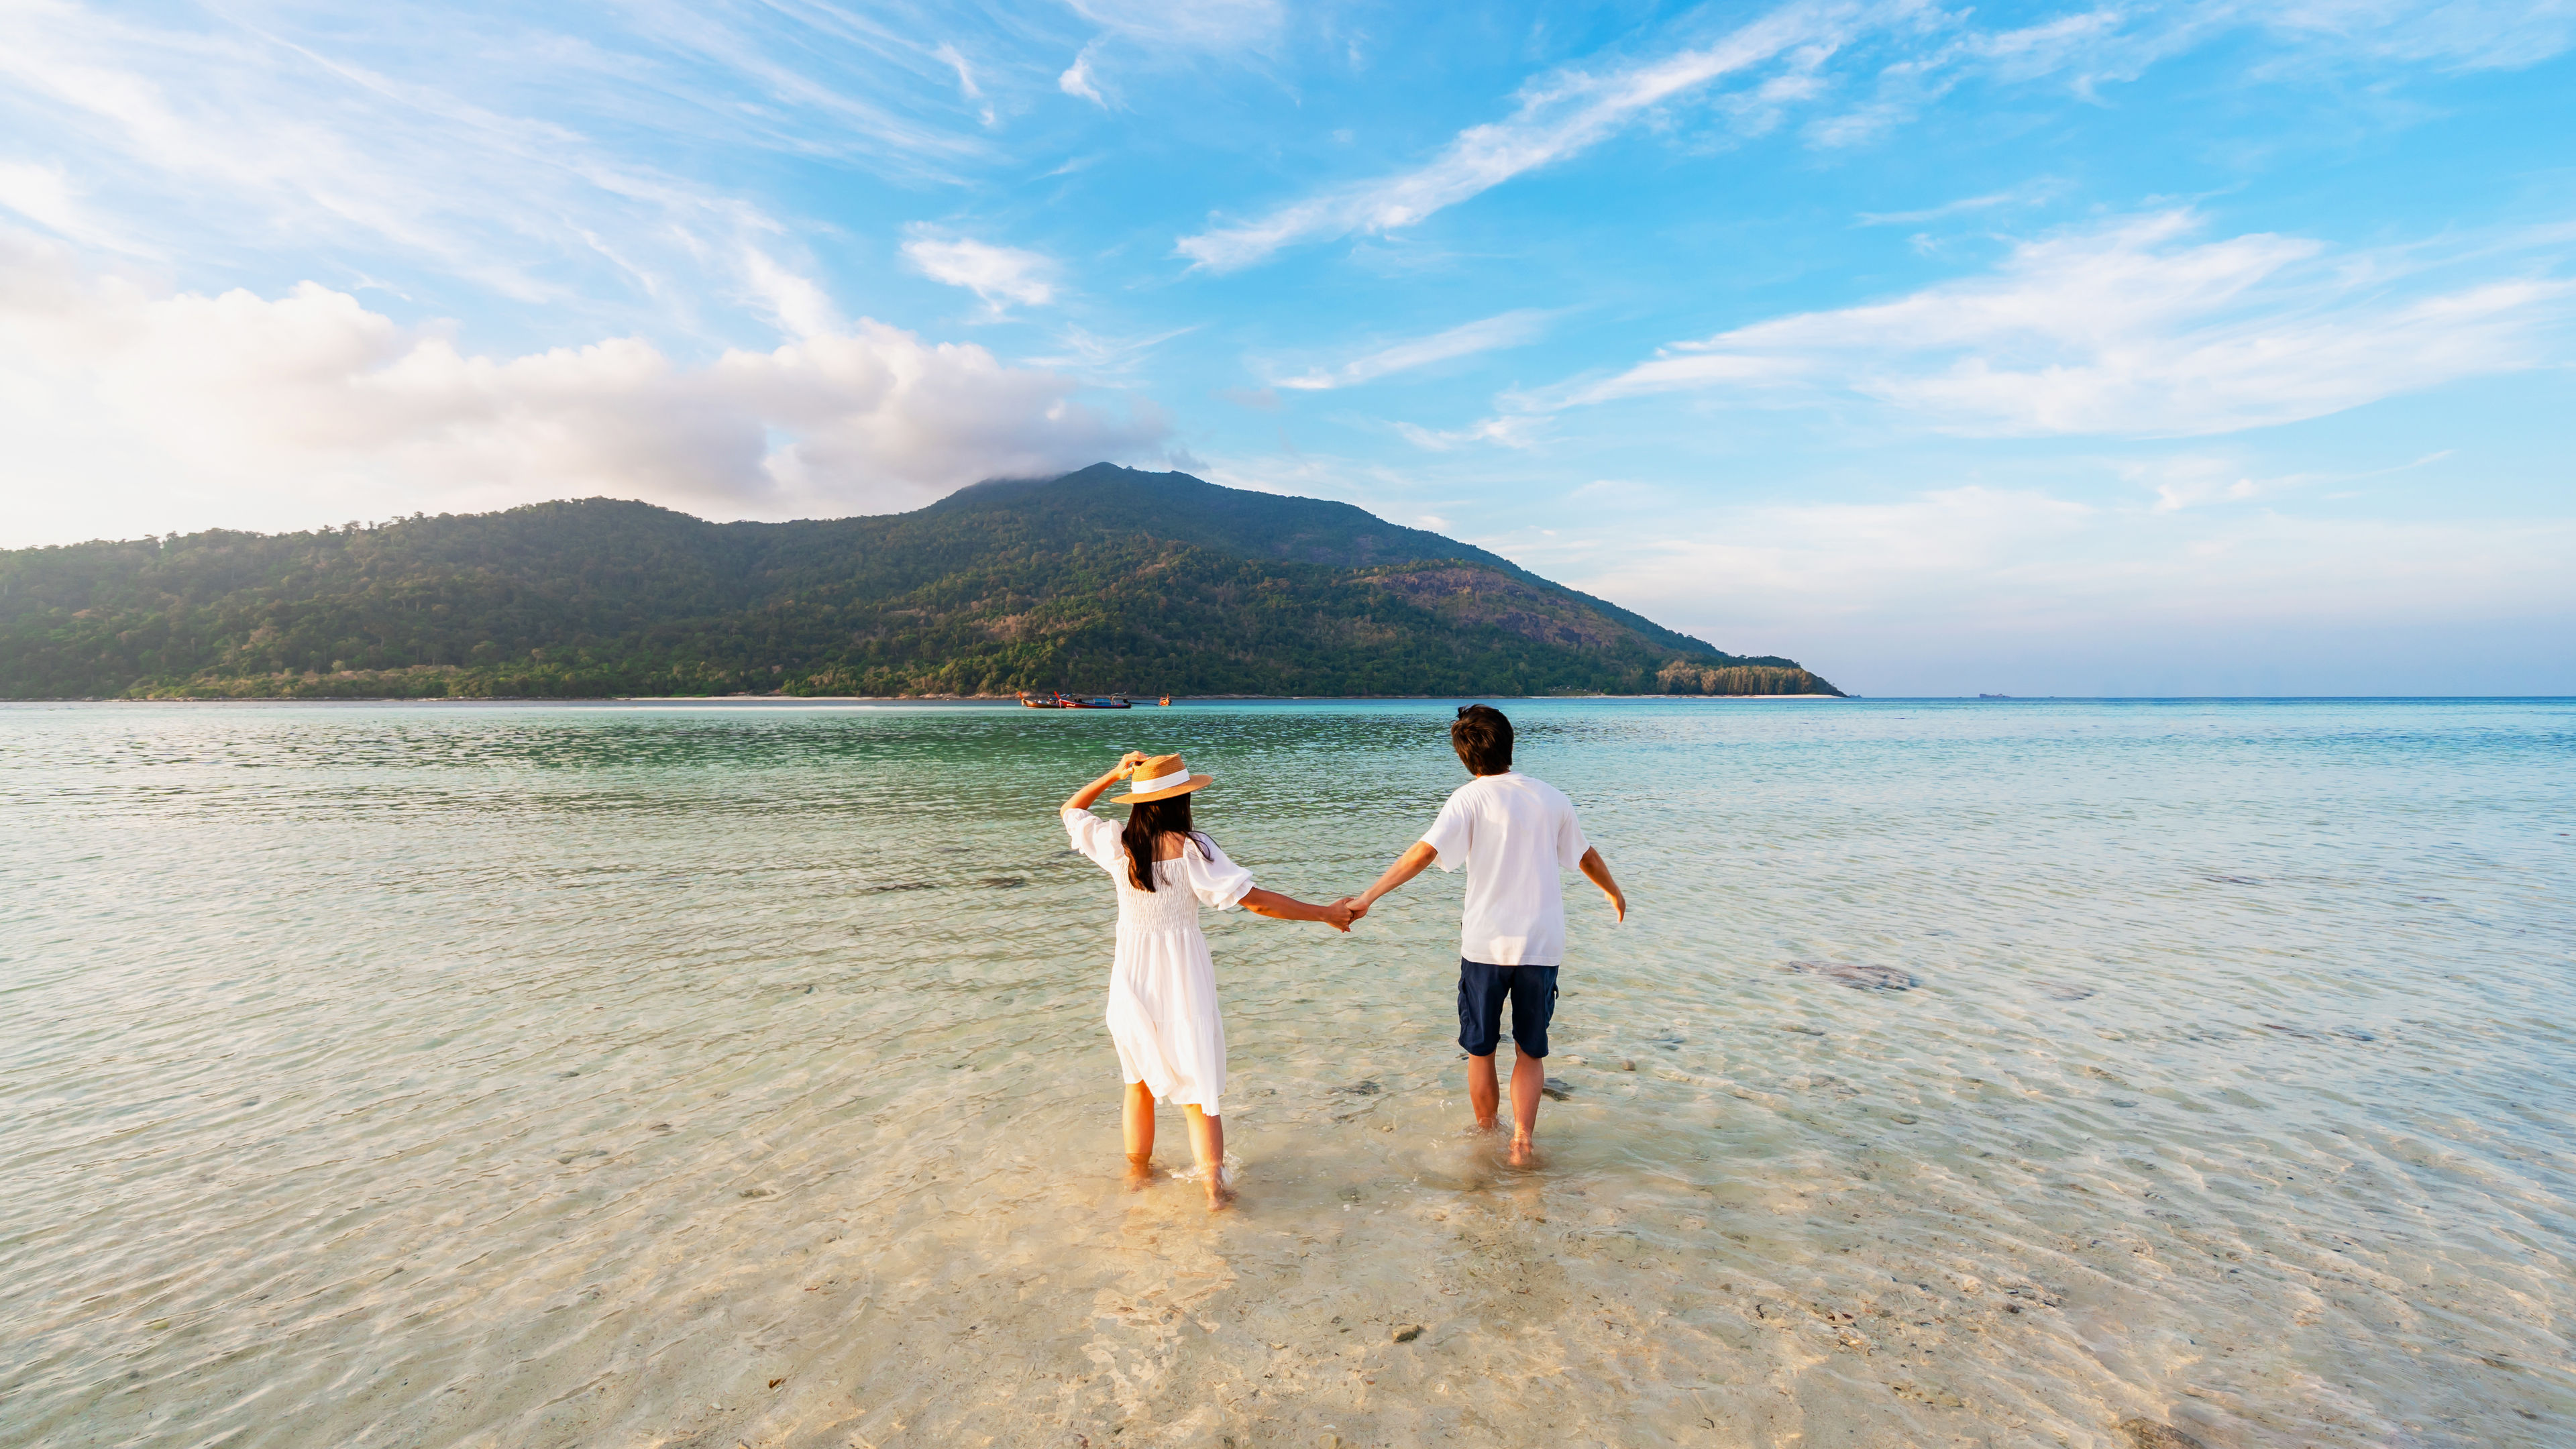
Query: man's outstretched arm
{"points": [[1597, 871], [1408, 865]]}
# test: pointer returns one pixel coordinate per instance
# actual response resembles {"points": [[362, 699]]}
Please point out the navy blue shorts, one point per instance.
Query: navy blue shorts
{"points": [[1481, 992]]}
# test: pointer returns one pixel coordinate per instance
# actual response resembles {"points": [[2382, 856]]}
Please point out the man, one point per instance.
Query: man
{"points": [[1512, 835]]}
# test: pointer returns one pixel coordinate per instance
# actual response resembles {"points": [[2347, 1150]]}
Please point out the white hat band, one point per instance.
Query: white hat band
{"points": [[1159, 782]]}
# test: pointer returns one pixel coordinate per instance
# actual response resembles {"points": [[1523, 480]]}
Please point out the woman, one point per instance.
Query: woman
{"points": [[1162, 987]]}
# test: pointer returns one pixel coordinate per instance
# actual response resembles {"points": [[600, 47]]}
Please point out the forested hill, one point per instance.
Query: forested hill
{"points": [[1101, 580]]}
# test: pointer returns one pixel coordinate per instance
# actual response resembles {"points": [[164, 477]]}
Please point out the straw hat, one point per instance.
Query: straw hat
{"points": [[1161, 778]]}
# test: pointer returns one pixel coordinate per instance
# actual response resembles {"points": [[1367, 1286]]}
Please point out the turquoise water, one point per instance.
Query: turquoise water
{"points": [[719, 1074]]}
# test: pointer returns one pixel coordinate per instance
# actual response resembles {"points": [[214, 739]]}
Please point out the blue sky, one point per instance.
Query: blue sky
{"points": [[2149, 348]]}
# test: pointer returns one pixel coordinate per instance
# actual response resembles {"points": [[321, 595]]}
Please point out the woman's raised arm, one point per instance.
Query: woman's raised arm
{"points": [[1081, 799]]}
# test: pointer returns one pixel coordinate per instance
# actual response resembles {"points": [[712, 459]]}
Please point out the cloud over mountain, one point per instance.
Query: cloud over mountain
{"points": [[312, 385]]}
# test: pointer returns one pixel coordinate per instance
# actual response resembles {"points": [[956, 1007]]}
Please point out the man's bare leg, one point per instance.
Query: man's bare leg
{"points": [[1483, 1096], [1207, 1142], [1529, 1073], [1136, 1119]]}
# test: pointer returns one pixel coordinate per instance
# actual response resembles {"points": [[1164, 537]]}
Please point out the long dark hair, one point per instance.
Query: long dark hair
{"points": [[1147, 819]]}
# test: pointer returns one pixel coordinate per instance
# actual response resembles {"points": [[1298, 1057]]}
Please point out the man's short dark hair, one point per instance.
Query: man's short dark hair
{"points": [[1483, 738]]}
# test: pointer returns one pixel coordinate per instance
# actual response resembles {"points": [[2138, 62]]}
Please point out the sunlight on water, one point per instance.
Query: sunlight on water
{"points": [[547, 1075]]}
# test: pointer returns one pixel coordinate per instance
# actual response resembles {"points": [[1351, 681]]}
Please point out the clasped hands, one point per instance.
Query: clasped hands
{"points": [[1340, 914]]}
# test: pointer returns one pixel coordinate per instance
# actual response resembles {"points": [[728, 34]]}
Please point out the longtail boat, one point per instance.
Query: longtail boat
{"points": [[1060, 700]]}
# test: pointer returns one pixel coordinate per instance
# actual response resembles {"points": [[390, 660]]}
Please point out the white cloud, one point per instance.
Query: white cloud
{"points": [[1895, 57], [43, 195], [2202, 480], [1565, 113], [1095, 355], [965, 73], [1198, 24], [999, 275], [1077, 80], [2130, 328], [2036, 191], [2193, 480], [1508, 329], [793, 301], [2466, 34], [311, 393], [966, 87], [1510, 432], [401, 142]]}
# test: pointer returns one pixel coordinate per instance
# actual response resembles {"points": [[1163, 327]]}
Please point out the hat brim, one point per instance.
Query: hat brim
{"points": [[1194, 782]]}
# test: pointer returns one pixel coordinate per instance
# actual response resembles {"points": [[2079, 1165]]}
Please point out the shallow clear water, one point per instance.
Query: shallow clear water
{"points": [[505, 1075]]}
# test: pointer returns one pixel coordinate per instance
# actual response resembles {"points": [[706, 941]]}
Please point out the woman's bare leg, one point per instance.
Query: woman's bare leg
{"points": [[1136, 1117], [1207, 1142]]}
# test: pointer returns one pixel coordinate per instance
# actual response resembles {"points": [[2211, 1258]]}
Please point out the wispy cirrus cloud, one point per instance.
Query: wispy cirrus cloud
{"points": [[1510, 431], [2037, 191], [1863, 69], [1092, 354], [967, 89], [47, 196], [998, 274], [1507, 329], [1078, 81], [2481, 35], [470, 145], [1199, 24], [1558, 116], [1153, 31], [2134, 328]]}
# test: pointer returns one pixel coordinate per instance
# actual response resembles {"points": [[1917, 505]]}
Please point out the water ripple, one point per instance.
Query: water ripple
{"points": [[513, 1074]]}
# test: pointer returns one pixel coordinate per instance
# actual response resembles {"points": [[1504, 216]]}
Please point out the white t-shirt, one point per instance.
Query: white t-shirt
{"points": [[1512, 835]]}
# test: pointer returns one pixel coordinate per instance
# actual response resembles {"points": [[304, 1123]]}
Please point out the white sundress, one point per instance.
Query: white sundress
{"points": [[1162, 987]]}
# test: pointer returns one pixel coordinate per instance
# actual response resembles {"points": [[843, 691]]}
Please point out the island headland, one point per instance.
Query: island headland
{"points": [[1104, 580]]}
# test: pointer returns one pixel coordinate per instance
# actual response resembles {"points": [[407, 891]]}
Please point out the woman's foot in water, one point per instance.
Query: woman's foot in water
{"points": [[1220, 1196], [1140, 1171]]}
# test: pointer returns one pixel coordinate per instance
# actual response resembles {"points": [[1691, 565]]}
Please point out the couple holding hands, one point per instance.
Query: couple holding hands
{"points": [[1511, 833]]}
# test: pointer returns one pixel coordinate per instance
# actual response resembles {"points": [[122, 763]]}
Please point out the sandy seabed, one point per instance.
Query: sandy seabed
{"points": [[554, 1076]]}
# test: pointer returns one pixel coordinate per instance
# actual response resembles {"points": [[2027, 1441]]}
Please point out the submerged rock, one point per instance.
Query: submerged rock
{"points": [[2064, 991], [1557, 1088], [1855, 975], [2148, 1434], [1407, 1333]]}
